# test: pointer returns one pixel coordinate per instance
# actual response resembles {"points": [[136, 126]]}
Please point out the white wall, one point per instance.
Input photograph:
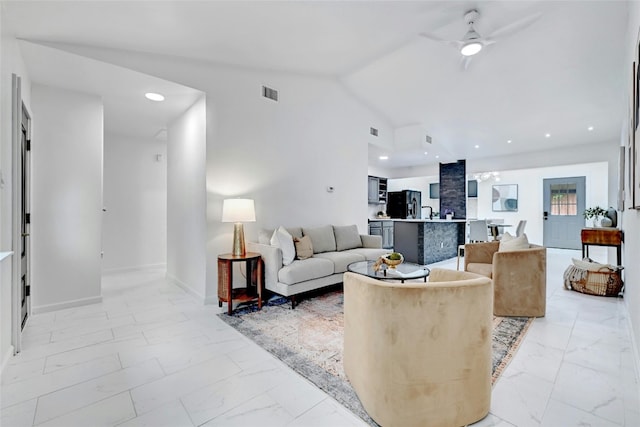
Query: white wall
{"points": [[66, 198], [282, 154], [285, 154], [134, 233], [11, 62], [530, 197], [631, 218], [186, 200]]}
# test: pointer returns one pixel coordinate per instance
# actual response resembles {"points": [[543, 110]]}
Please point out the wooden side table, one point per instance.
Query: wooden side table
{"points": [[254, 274], [602, 236]]}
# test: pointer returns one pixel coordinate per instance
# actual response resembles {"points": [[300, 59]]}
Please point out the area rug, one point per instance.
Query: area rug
{"points": [[309, 340]]}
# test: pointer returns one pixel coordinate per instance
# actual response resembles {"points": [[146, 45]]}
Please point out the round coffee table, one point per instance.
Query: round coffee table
{"points": [[402, 272]]}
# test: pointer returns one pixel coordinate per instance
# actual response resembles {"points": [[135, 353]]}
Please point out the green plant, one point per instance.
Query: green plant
{"points": [[394, 256], [595, 213]]}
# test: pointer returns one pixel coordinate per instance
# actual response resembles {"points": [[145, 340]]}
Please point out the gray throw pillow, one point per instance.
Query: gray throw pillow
{"points": [[322, 238], [347, 237]]}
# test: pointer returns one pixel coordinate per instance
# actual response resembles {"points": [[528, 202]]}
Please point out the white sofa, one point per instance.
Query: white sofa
{"points": [[334, 248]]}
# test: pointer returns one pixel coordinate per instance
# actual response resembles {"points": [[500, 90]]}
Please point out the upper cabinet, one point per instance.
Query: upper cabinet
{"points": [[377, 190]]}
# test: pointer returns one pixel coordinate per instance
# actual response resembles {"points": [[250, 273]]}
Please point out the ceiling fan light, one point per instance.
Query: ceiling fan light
{"points": [[471, 48]]}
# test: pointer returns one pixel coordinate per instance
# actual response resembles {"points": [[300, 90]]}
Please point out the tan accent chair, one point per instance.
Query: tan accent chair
{"points": [[419, 354], [519, 277]]}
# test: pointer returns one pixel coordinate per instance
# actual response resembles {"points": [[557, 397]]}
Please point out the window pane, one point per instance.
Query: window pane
{"points": [[563, 199]]}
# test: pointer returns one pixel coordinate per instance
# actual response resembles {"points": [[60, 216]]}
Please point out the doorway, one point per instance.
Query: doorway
{"points": [[563, 206]]}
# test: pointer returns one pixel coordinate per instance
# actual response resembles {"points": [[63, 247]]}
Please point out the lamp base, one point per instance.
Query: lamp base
{"points": [[238, 240]]}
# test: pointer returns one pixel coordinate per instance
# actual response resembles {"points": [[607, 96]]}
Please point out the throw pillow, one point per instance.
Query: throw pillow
{"points": [[322, 238], [304, 248], [509, 243], [282, 239], [347, 237], [589, 265]]}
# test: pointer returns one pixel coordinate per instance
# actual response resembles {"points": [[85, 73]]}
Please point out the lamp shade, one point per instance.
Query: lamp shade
{"points": [[238, 210]]}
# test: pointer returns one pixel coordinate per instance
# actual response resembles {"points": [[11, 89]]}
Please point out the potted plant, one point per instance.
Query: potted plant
{"points": [[594, 213]]}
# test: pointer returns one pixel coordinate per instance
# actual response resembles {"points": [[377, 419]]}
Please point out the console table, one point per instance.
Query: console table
{"points": [[226, 292], [602, 236]]}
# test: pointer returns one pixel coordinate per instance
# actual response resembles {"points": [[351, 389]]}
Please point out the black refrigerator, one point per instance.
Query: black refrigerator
{"points": [[405, 204]]}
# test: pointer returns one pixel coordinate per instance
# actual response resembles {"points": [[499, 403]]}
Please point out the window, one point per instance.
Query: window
{"points": [[563, 199]]}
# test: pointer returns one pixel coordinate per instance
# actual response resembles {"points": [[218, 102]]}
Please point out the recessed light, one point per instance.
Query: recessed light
{"points": [[154, 96], [437, 157], [426, 152], [547, 135], [508, 141], [383, 157], [477, 146], [590, 128]]}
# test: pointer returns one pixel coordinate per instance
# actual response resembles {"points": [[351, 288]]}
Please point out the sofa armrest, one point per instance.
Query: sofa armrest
{"points": [[369, 241], [272, 258], [480, 253]]}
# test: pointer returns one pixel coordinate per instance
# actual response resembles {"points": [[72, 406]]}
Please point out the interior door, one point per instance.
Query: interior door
{"points": [[563, 208], [25, 220]]}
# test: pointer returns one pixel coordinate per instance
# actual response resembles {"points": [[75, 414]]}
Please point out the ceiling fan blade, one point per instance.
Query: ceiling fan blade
{"points": [[516, 26], [464, 62], [454, 43]]}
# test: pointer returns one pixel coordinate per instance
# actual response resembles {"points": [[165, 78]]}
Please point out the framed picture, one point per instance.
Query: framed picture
{"points": [[504, 198]]}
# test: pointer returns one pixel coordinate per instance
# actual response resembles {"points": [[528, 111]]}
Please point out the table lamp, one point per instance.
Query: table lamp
{"points": [[238, 211]]}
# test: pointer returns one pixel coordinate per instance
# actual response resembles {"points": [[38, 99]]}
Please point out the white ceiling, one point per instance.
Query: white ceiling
{"points": [[561, 74]]}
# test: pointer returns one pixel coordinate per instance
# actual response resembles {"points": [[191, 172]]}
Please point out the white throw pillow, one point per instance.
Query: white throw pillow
{"points": [[282, 239], [587, 264], [509, 243]]}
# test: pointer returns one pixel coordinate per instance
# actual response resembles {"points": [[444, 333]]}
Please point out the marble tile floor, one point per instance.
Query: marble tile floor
{"points": [[150, 355]]}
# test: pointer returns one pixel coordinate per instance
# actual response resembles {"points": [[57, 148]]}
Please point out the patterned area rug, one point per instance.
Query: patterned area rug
{"points": [[309, 340]]}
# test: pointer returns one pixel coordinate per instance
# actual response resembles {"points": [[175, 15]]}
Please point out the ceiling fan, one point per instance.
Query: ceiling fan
{"points": [[472, 42]]}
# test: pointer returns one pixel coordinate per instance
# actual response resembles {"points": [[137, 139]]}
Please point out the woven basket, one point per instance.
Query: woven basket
{"points": [[606, 282]]}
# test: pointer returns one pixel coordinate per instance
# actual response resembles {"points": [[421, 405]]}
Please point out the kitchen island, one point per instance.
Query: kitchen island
{"points": [[425, 241]]}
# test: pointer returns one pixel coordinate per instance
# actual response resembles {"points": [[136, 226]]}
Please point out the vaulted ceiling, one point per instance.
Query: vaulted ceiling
{"points": [[559, 75]]}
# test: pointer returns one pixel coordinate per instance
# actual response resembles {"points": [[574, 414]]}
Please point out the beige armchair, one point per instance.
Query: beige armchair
{"points": [[519, 277], [419, 354]]}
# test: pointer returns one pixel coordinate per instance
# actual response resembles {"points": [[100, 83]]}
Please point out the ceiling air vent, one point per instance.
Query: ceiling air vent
{"points": [[427, 139], [373, 131], [267, 92]]}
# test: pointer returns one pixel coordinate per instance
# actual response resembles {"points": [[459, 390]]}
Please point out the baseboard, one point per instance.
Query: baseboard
{"points": [[67, 304], [134, 268], [5, 358], [634, 345], [188, 289]]}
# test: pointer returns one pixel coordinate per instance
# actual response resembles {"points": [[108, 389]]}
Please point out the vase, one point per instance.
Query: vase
{"points": [[606, 222]]}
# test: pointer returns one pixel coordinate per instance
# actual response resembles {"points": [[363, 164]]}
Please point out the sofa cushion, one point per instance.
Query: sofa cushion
{"points": [[322, 238], [509, 243], [480, 268], [347, 237], [341, 260], [295, 231], [302, 270], [370, 254], [304, 249], [282, 239]]}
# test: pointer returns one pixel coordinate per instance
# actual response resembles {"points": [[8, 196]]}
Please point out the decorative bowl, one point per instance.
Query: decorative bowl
{"points": [[392, 263]]}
